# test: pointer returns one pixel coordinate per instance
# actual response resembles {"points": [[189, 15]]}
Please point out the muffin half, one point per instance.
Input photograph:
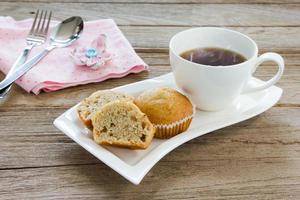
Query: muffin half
{"points": [[121, 123], [89, 106]]}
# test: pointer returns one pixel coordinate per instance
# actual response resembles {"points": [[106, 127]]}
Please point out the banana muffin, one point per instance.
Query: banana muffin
{"points": [[170, 111]]}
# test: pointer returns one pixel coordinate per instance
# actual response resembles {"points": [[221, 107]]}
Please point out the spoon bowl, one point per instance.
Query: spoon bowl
{"points": [[66, 32]]}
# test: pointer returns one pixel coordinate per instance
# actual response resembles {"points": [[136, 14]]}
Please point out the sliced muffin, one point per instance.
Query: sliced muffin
{"points": [[88, 107], [121, 123], [170, 111]]}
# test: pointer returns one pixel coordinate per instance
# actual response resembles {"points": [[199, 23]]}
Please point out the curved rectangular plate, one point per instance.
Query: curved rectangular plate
{"points": [[134, 164]]}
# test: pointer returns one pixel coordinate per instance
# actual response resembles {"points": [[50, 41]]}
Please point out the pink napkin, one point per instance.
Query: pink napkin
{"points": [[57, 70]]}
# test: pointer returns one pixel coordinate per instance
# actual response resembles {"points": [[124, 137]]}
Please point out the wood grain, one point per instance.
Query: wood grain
{"points": [[256, 159], [169, 180], [247, 160], [71, 96], [169, 1], [168, 14], [267, 38], [35, 142]]}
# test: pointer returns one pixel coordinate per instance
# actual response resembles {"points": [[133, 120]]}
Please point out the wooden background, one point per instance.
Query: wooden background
{"points": [[255, 159]]}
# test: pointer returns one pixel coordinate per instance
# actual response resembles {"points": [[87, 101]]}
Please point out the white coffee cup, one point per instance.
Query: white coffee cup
{"points": [[214, 88]]}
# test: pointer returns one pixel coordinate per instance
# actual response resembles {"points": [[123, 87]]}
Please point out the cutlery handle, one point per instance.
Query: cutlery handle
{"points": [[21, 59], [21, 70]]}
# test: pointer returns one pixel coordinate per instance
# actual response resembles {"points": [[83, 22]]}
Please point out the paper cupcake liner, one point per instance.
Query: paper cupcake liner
{"points": [[165, 131]]}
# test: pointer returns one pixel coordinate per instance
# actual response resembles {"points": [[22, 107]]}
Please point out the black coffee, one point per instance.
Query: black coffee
{"points": [[213, 56]]}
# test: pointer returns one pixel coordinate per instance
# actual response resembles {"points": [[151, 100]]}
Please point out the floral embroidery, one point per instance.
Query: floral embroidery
{"points": [[94, 56]]}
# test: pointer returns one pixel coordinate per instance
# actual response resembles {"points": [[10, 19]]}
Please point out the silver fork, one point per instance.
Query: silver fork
{"points": [[36, 36]]}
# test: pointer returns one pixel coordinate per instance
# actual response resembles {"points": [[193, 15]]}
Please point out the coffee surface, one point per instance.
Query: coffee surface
{"points": [[213, 56]]}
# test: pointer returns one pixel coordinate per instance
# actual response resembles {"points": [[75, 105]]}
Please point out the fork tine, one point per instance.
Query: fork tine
{"points": [[48, 23], [34, 22], [39, 23], [43, 23]]}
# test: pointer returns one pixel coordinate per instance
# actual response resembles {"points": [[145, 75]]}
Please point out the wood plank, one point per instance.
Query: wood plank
{"points": [[71, 96], [168, 14], [257, 159], [169, 180], [281, 39], [169, 1], [156, 39], [30, 140]]}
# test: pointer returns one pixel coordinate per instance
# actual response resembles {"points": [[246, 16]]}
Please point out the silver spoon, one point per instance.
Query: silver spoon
{"points": [[63, 35]]}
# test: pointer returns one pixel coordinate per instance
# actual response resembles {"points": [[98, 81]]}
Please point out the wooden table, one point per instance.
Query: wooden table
{"points": [[255, 159]]}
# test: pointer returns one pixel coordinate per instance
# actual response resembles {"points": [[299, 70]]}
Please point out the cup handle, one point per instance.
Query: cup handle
{"points": [[274, 57]]}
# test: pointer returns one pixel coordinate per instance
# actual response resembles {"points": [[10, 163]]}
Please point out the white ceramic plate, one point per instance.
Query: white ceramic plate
{"points": [[134, 164]]}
